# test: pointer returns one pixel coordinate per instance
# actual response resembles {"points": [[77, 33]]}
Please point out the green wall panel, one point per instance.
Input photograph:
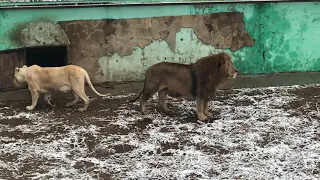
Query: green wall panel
{"points": [[287, 34]]}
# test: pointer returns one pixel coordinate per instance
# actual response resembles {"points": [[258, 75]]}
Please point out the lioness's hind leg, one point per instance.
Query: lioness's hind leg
{"points": [[48, 99], [162, 100], [78, 89], [75, 100], [85, 100]]}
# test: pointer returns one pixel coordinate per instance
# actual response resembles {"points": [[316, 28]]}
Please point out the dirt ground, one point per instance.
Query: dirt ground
{"points": [[256, 133]]}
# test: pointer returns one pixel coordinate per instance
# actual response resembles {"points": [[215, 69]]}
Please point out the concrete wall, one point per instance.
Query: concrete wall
{"points": [[267, 37]]}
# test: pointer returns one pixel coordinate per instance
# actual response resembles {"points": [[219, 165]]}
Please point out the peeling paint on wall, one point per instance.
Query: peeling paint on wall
{"points": [[132, 67], [94, 39], [43, 34], [286, 39], [221, 30], [286, 36]]}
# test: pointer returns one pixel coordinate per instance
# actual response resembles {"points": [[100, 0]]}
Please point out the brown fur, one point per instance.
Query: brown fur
{"points": [[197, 81]]}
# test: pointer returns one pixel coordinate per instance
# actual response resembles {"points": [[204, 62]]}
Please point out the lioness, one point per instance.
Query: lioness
{"points": [[191, 81], [48, 79]]}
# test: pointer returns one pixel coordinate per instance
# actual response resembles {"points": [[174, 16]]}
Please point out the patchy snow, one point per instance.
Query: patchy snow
{"points": [[256, 135]]}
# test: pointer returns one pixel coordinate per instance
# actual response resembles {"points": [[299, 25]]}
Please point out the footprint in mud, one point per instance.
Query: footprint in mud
{"points": [[142, 124]]}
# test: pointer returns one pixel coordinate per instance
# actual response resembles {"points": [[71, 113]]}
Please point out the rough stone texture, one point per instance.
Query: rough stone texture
{"points": [[92, 39], [88, 42], [43, 34], [122, 36]]}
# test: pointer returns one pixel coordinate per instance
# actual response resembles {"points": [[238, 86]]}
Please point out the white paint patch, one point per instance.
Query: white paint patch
{"points": [[254, 137]]}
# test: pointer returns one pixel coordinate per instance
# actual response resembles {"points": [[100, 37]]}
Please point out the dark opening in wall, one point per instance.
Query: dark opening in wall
{"points": [[54, 56]]}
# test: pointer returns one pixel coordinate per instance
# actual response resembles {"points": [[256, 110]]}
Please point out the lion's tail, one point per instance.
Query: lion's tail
{"points": [[87, 78], [139, 95]]}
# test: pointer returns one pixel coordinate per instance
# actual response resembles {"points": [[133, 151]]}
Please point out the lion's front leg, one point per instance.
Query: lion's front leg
{"points": [[35, 97], [200, 109], [206, 110]]}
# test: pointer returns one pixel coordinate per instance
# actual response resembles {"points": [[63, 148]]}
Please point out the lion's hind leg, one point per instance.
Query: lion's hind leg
{"points": [[143, 102], [150, 89], [162, 100]]}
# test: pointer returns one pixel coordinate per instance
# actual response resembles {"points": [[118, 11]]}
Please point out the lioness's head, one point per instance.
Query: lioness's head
{"points": [[19, 76], [227, 66]]}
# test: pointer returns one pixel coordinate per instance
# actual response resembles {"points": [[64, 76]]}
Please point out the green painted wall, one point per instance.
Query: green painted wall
{"points": [[287, 35], [40, 2]]}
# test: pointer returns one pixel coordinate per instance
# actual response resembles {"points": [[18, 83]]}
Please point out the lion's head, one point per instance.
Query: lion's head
{"points": [[19, 76], [227, 66]]}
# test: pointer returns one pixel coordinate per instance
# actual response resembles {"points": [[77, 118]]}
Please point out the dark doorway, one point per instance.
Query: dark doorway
{"points": [[54, 56]]}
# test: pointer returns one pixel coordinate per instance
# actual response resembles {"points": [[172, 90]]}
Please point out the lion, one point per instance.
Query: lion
{"points": [[196, 81], [49, 79]]}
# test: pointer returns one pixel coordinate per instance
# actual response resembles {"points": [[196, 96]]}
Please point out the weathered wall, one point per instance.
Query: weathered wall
{"points": [[93, 39], [285, 36]]}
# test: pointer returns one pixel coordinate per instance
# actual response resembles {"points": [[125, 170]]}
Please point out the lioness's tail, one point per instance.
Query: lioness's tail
{"points": [[139, 95], [86, 76]]}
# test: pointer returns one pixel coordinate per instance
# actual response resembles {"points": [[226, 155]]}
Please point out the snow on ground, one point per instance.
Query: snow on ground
{"points": [[258, 133]]}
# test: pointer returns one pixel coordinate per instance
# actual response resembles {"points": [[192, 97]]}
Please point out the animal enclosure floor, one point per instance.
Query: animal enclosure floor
{"points": [[256, 133]]}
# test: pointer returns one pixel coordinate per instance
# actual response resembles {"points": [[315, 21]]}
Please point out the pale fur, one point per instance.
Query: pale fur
{"points": [[46, 80]]}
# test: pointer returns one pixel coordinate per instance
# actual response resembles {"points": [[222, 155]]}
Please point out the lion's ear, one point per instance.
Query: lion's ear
{"points": [[17, 69], [24, 66], [222, 62]]}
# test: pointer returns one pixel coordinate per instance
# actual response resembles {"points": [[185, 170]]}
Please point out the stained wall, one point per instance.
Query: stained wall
{"points": [[118, 43]]}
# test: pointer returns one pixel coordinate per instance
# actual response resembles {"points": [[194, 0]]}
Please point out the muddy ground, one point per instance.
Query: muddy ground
{"points": [[256, 133]]}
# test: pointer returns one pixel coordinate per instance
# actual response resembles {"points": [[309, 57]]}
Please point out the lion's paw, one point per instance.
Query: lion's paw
{"points": [[169, 111], [208, 114], [202, 117], [145, 112], [30, 108]]}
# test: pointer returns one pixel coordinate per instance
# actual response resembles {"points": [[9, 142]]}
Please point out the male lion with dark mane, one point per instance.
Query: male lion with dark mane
{"points": [[48, 79], [198, 81]]}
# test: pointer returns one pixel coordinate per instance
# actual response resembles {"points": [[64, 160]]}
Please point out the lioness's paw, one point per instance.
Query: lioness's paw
{"points": [[52, 104], [81, 109], [69, 104], [29, 108]]}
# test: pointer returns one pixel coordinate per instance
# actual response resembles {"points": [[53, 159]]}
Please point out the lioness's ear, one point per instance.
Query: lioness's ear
{"points": [[17, 69], [24, 66]]}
